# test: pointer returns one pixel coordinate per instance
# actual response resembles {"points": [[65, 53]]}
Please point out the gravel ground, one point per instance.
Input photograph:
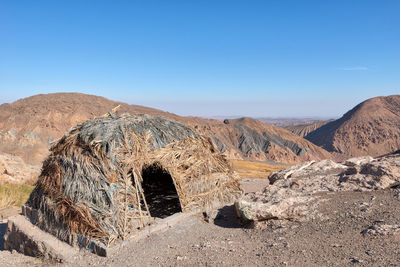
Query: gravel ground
{"points": [[335, 238]]}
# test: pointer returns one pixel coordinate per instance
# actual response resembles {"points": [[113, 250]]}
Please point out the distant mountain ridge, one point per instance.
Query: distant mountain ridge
{"points": [[28, 127], [370, 128], [291, 122], [304, 129]]}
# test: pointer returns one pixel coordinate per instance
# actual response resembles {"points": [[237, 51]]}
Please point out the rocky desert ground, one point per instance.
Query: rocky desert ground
{"points": [[334, 215]]}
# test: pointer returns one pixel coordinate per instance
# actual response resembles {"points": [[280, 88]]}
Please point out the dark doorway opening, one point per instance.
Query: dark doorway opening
{"points": [[159, 191]]}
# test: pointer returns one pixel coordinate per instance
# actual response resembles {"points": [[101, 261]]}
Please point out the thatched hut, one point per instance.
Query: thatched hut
{"points": [[111, 176]]}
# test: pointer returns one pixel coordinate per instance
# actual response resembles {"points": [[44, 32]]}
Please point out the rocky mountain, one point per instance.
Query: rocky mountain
{"points": [[257, 140], [29, 126], [304, 129], [371, 128]]}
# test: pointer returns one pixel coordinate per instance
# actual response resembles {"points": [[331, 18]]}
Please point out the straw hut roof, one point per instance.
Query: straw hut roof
{"points": [[110, 176]]}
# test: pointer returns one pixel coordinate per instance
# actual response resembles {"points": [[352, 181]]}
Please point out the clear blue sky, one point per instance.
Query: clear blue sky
{"points": [[254, 58]]}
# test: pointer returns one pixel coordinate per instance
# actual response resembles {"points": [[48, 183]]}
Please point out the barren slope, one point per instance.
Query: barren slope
{"points": [[304, 129], [370, 128], [258, 140], [28, 127]]}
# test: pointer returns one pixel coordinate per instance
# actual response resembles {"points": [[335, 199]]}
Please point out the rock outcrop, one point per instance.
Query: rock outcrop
{"points": [[14, 170], [293, 193]]}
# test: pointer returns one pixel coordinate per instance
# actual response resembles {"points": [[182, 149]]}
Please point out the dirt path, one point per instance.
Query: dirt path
{"points": [[333, 239]]}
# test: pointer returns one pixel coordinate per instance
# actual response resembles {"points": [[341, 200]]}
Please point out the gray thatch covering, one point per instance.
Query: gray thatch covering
{"points": [[92, 183]]}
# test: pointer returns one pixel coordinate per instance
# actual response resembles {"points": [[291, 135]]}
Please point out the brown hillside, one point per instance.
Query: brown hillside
{"points": [[28, 127], [304, 129], [258, 140], [370, 128]]}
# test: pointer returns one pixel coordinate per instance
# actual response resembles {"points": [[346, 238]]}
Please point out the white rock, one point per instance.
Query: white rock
{"points": [[292, 193], [358, 161]]}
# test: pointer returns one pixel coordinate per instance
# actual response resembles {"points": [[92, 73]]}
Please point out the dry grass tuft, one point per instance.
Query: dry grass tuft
{"points": [[14, 194], [251, 169]]}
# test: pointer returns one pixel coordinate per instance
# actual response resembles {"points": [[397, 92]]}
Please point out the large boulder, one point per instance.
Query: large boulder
{"points": [[294, 192]]}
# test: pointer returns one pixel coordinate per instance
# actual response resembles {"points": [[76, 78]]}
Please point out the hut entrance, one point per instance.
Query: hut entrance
{"points": [[159, 191]]}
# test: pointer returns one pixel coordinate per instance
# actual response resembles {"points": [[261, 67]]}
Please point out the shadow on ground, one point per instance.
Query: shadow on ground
{"points": [[227, 218], [5, 213], [3, 228]]}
